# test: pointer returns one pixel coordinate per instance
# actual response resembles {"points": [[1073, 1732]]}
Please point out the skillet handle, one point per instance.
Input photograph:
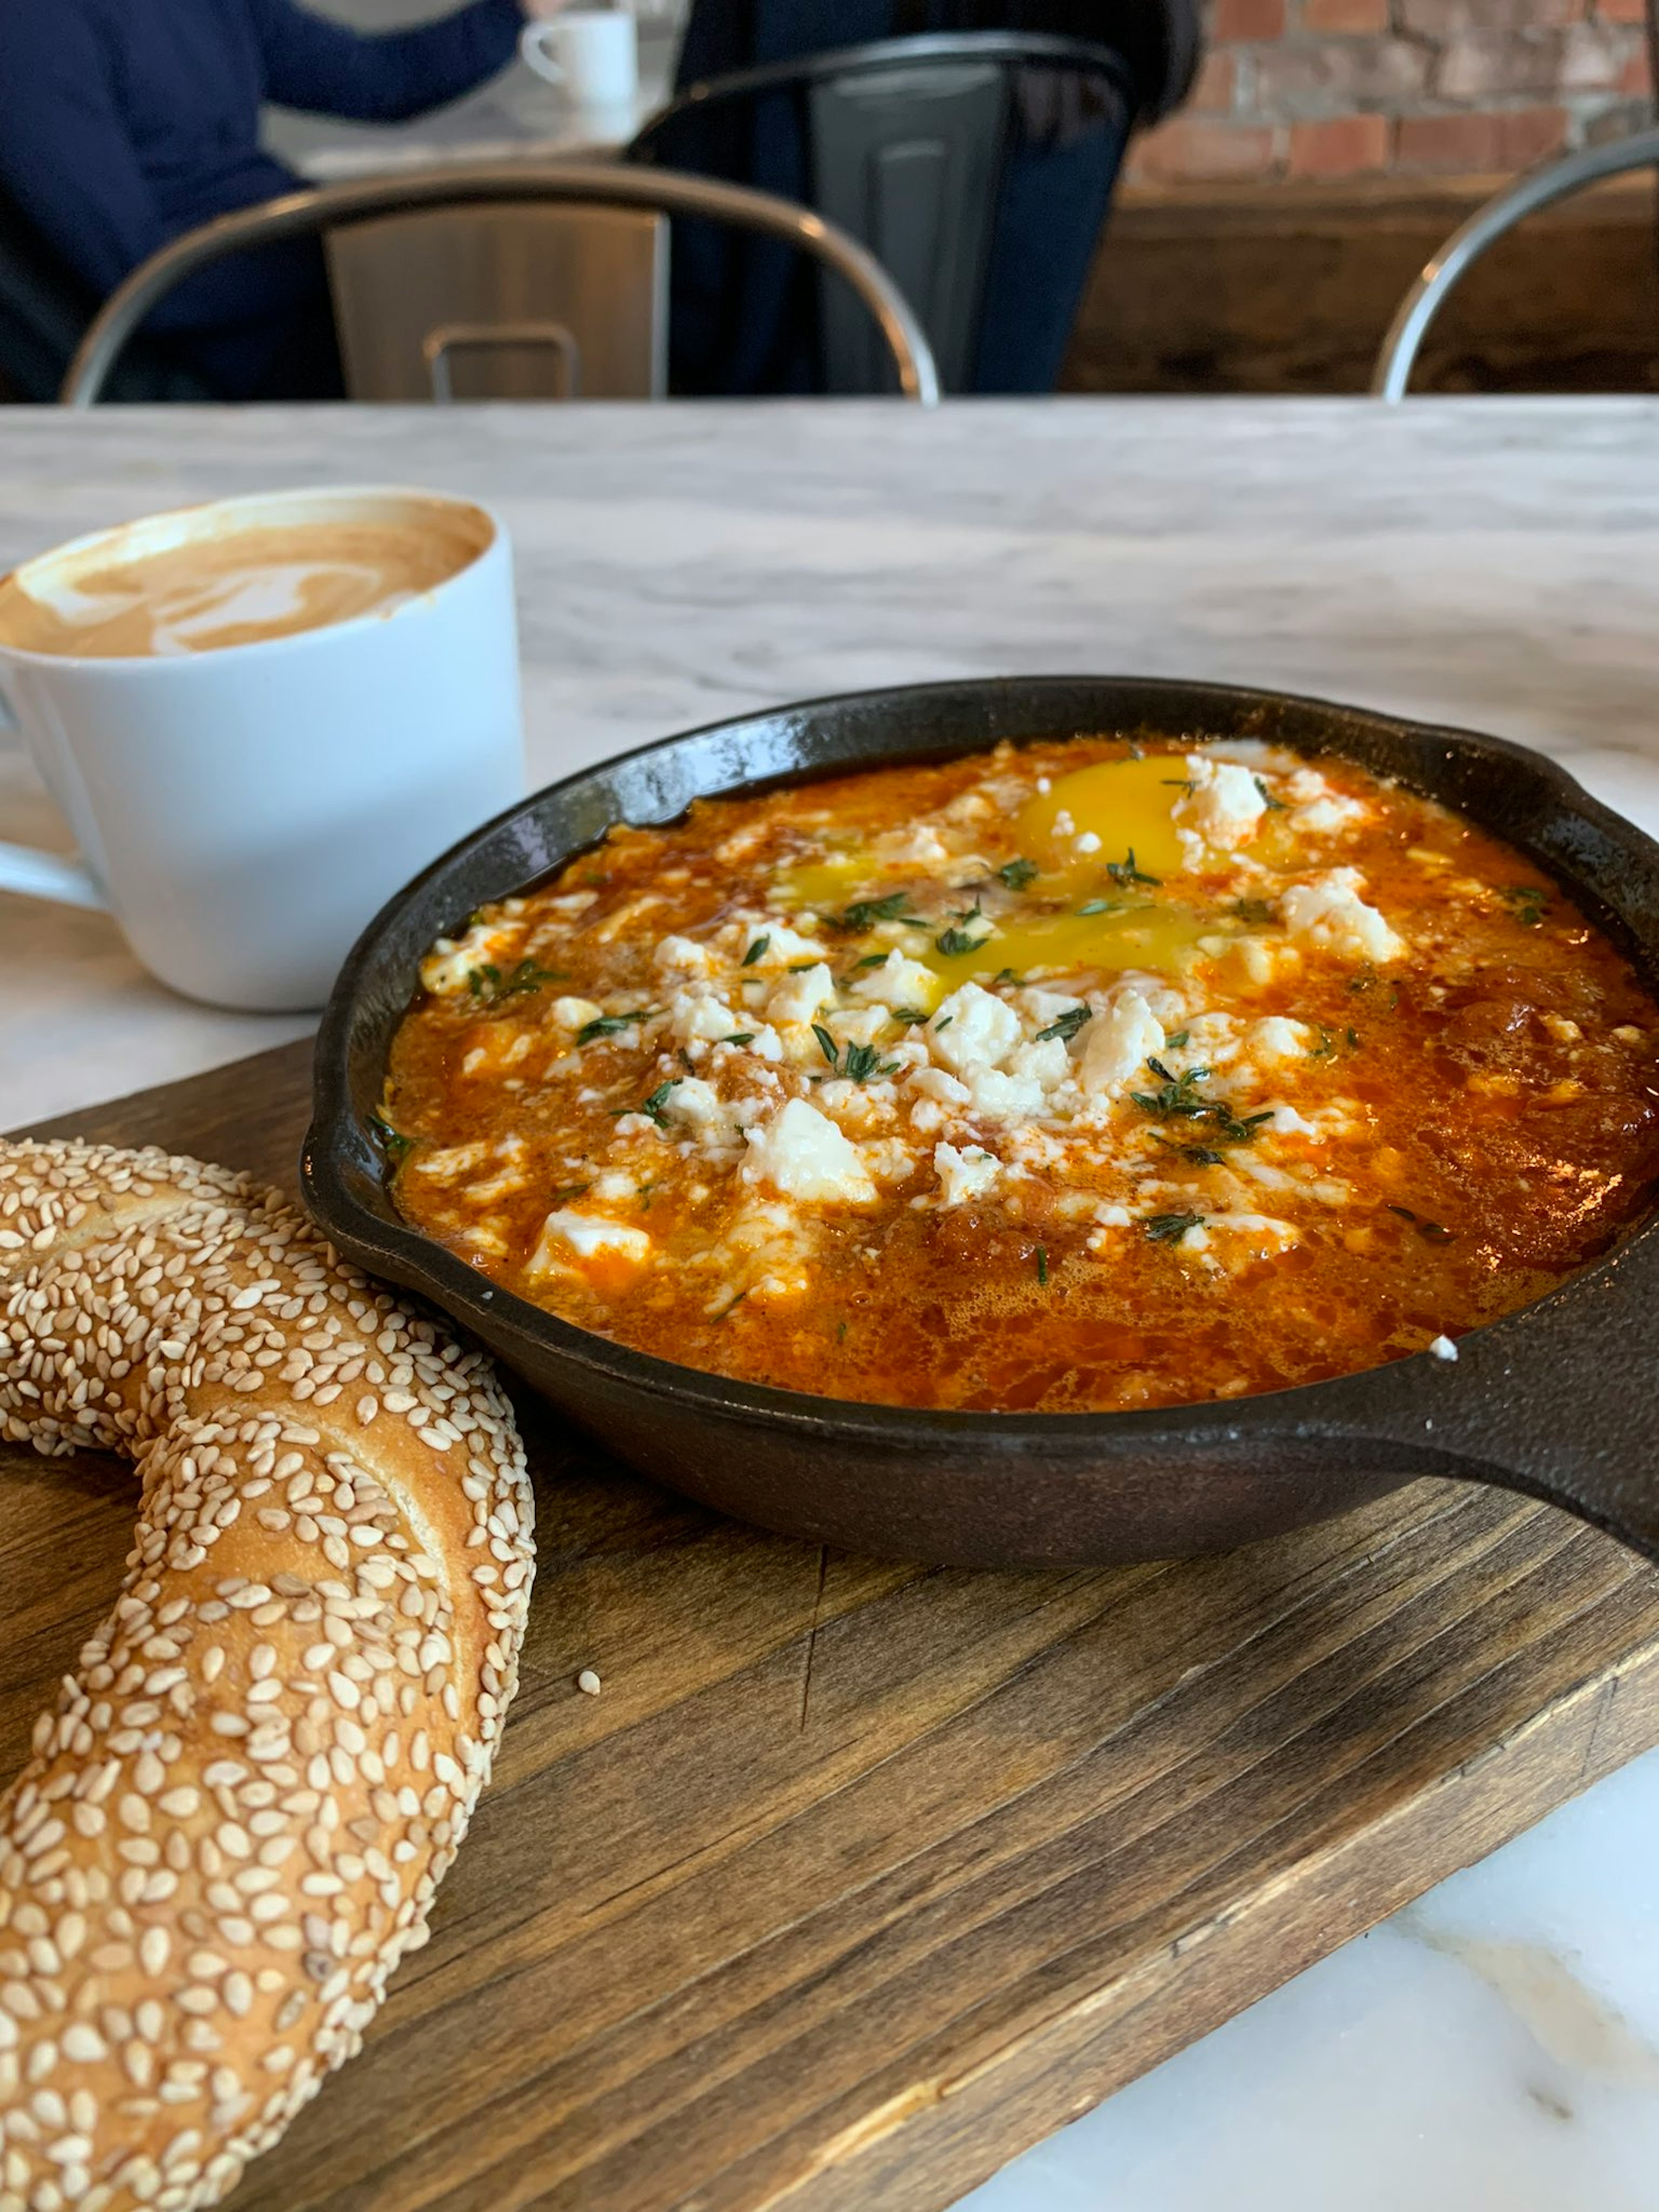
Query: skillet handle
{"points": [[1560, 1401]]}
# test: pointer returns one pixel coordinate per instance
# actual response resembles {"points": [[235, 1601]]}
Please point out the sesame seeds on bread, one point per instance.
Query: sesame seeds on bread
{"points": [[241, 1806]]}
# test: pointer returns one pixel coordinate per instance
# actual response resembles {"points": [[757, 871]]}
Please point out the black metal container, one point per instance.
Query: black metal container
{"points": [[1560, 1400]]}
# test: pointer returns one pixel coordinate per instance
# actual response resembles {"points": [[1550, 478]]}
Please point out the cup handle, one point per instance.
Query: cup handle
{"points": [[532, 47], [44, 876]]}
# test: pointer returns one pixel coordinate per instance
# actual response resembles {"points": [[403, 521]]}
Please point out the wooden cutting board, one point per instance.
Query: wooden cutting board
{"points": [[857, 1879]]}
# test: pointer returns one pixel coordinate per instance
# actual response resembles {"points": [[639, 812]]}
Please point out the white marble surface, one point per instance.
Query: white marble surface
{"points": [[1497, 564]]}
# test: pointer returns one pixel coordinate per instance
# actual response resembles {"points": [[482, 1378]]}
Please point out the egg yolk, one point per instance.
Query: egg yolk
{"points": [[1127, 804]]}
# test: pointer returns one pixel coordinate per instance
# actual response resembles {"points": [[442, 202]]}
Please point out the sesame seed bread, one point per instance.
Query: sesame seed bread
{"points": [[240, 1807]]}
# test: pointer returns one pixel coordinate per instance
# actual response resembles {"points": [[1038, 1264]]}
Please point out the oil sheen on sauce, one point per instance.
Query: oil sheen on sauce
{"points": [[1089, 1076]]}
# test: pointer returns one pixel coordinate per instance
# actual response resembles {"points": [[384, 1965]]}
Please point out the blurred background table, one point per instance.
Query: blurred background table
{"points": [[518, 117], [1491, 563]]}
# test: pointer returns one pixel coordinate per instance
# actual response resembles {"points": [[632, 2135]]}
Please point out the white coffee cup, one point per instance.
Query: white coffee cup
{"points": [[244, 811], [593, 53]]}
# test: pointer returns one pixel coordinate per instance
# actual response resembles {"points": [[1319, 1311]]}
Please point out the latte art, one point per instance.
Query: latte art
{"points": [[241, 588]]}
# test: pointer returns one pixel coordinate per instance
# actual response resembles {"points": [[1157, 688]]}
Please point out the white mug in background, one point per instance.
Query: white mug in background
{"points": [[244, 811], [592, 53]]}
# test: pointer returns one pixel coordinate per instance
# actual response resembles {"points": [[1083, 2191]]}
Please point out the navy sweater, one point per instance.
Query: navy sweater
{"points": [[123, 123]]}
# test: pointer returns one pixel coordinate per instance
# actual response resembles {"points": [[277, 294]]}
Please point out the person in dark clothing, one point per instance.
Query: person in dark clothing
{"points": [[125, 123], [746, 315], [1158, 39]]}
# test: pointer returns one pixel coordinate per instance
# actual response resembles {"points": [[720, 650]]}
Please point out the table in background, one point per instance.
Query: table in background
{"points": [[518, 116], [1490, 563]]}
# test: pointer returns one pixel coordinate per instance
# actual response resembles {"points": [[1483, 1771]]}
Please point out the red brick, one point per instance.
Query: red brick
{"points": [[1183, 150], [1352, 16], [1484, 66], [1247, 19], [1212, 94], [1621, 11], [1444, 19], [1339, 77], [1595, 55], [1491, 143], [1635, 76], [1341, 146]]}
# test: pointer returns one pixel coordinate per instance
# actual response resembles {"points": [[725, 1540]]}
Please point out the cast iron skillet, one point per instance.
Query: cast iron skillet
{"points": [[1560, 1400]]}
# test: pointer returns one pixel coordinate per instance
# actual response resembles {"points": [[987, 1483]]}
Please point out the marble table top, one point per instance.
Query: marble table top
{"points": [[1494, 563]]}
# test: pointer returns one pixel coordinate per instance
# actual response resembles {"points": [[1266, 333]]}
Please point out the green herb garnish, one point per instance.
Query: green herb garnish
{"points": [[1178, 1099], [1529, 903], [1432, 1232], [606, 1025], [911, 1016], [1326, 1049], [1185, 783], [1274, 805], [953, 942], [864, 912], [1253, 910], [743, 1036], [393, 1140], [491, 987], [1067, 1025], [1171, 1228], [871, 960], [757, 950], [1177, 1043], [659, 1099], [1017, 873], [563, 1196], [1042, 1265], [1003, 976], [1125, 871], [1102, 906], [826, 1043]]}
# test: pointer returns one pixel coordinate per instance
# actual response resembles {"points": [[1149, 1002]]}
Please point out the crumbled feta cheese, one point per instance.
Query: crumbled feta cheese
{"points": [[565, 1234], [964, 1175], [797, 998], [694, 1102], [695, 1016], [994, 1097], [1325, 817], [897, 982], [781, 946], [1275, 1038], [857, 1024], [683, 955], [1443, 1348], [1088, 842], [1119, 1042], [802, 1153], [1328, 912], [973, 1028], [614, 1188], [1226, 806], [447, 968]]}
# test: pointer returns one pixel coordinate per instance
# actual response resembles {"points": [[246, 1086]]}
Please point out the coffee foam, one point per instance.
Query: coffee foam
{"points": [[243, 583]]}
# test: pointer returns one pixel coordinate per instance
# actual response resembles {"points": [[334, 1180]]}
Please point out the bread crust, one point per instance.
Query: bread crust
{"points": [[240, 1807]]}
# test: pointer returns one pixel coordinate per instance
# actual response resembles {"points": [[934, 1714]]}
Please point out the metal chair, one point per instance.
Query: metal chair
{"points": [[977, 165], [1540, 188], [579, 330]]}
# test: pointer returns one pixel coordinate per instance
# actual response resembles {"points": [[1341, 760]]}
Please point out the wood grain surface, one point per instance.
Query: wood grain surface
{"points": [[857, 1879]]}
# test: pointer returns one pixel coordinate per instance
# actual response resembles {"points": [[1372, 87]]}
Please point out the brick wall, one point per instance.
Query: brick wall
{"points": [[1310, 88]]}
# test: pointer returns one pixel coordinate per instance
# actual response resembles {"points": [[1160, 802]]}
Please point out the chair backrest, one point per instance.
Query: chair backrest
{"points": [[599, 184], [944, 154], [1539, 188], [503, 303]]}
